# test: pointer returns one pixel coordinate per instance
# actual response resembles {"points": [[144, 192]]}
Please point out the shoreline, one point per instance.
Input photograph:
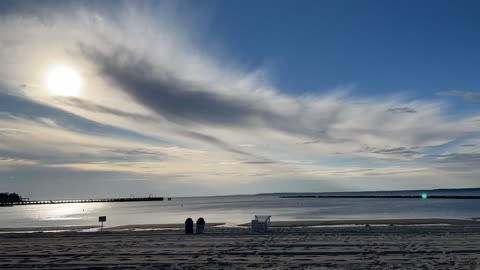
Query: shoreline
{"points": [[274, 224]]}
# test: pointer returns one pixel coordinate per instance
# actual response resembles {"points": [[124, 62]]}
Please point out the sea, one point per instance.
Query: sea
{"points": [[239, 209]]}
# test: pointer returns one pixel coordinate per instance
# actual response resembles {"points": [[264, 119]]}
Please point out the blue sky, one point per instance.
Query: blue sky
{"points": [[419, 47], [225, 97]]}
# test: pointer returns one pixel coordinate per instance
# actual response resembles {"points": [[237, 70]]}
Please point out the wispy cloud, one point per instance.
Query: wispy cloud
{"points": [[467, 95], [402, 110]]}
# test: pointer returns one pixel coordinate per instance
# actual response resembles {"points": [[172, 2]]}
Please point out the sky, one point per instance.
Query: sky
{"points": [[194, 98]]}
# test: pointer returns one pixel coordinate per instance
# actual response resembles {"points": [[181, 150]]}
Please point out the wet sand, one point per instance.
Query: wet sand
{"points": [[430, 244]]}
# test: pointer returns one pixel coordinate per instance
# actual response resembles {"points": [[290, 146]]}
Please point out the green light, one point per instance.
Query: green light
{"points": [[424, 196]]}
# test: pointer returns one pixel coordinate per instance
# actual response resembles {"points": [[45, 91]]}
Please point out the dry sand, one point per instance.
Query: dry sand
{"points": [[288, 246]]}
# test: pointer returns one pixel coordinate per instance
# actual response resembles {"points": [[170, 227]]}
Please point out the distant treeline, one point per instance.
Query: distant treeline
{"points": [[9, 197]]}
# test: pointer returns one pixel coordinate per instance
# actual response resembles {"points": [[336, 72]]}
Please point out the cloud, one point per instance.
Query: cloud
{"points": [[260, 162], [11, 132], [467, 95], [170, 97], [88, 105], [136, 151], [399, 151], [199, 103], [36, 140], [469, 145], [467, 158], [201, 94], [9, 163], [402, 110]]}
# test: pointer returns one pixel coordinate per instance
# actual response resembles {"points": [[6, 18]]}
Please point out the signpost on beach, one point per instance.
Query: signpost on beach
{"points": [[102, 219]]}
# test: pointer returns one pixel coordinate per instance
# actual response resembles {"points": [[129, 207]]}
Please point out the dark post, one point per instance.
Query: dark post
{"points": [[189, 226], [200, 225]]}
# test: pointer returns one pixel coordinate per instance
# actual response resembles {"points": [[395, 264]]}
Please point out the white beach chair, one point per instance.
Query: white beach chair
{"points": [[261, 224]]}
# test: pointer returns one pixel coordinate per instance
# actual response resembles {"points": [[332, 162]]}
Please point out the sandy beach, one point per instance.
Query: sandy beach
{"points": [[385, 244]]}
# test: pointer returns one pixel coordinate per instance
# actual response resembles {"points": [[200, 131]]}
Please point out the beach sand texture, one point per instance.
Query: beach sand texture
{"points": [[286, 247]]}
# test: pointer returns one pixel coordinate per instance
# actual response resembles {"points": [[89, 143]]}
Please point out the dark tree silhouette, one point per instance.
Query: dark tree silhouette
{"points": [[9, 197]]}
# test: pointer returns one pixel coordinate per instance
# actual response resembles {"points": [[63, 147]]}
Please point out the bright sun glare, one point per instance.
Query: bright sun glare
{"points": [[64, 81]]}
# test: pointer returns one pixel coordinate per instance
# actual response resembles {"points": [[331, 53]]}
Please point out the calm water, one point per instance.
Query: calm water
{"points": [[234, 210]]}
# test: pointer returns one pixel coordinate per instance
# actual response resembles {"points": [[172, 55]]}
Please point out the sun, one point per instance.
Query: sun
{"points": [[64, 81]]}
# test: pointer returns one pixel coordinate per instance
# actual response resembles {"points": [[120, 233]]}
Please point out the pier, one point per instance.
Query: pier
{"points": [[33, 202]]}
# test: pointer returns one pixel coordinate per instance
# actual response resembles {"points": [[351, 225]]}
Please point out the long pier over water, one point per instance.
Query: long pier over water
{"points": [[28, 202]]}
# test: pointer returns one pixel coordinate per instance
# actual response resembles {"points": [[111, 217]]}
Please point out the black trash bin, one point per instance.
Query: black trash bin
{"points": [[189, 226], [200, 225]]}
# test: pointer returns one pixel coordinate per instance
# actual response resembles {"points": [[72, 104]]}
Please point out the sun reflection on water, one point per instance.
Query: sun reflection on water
{"points": [[68, 211]]}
